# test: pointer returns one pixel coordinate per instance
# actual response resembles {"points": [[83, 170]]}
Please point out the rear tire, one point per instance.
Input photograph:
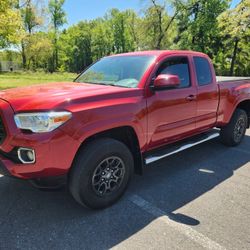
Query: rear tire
{"points": [[100, 173], [233, 133]]}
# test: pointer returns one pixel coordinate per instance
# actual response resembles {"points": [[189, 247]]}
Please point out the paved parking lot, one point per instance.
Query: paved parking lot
{"points": [[197, 199]]}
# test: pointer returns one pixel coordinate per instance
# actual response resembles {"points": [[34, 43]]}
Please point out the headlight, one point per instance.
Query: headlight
{"points": [[41, 122]]}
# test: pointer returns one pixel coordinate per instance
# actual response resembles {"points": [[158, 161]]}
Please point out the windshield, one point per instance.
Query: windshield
{"points": [[123, 71]]}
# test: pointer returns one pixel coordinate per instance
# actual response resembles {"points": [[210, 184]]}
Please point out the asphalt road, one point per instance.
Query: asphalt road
{"points": [[197, 199]]}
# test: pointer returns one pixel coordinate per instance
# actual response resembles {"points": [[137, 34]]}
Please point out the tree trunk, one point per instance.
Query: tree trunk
{"points": [[123, 36], [56, 53], [24, 60], [162, 33], [158, 27], [56, 66], [158, 45], [234, 57]]}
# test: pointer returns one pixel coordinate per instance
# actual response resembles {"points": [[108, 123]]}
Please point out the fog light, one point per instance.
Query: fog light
{"points": [[30, 155], [26, 155]]}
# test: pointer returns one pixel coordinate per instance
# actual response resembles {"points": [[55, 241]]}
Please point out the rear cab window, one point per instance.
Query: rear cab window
{"points": [[203, 71]]}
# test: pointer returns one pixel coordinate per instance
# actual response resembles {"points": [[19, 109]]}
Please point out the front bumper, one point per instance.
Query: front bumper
{"points": [[54, 150]]}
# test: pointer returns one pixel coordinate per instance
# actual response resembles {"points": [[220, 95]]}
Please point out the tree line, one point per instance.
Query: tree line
{"points": [[209, 26]]}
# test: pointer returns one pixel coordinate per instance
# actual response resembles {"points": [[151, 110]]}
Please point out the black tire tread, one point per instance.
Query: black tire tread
{"points": [[226, 133], [80, 167]]}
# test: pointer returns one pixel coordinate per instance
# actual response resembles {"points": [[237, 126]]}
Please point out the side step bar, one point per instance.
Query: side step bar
{"points": [[176, 148]]}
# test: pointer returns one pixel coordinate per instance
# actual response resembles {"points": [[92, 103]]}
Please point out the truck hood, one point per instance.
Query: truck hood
{"points": [[60, 95]]}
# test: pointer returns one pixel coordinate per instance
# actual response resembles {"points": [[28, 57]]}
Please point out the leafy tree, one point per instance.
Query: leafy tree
{"points": [[134, 29], [31, 20], [157, 24], [120, 25], [10, 23], [58, 17], [75, 47], [235, 30], [101, 38], [207, 26], [198, 26], [39, 49], [30, 17], [10, 56], [86, 42]]}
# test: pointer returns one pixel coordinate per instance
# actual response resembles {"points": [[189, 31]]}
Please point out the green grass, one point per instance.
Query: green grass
{"points": [[20, 79]]}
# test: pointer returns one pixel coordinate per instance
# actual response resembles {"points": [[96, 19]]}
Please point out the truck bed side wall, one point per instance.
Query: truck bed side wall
{"points": [[231, 95]]}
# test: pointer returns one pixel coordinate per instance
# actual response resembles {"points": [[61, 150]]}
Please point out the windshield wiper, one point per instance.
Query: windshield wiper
{"points": [[105, 84]]}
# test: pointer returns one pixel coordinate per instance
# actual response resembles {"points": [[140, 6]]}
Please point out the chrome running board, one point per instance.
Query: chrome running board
{"points": [[187, 143]]}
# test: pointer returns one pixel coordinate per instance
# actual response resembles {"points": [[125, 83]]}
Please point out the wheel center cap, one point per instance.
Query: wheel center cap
{"points": [[108, 175]]}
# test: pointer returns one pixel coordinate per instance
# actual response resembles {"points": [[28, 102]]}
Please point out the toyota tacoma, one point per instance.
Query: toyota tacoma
{"points": [[119, 115]]}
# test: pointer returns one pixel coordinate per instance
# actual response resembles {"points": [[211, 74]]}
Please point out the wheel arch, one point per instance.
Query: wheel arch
{"points": [[126, 135], [245, 105]]}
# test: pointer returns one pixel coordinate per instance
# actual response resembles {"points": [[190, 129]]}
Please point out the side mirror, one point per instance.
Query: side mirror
{"points": [[165, 81]]}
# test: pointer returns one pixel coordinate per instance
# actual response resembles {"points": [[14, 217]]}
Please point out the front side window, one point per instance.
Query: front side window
{"points": [[122, 71], [203, 71], [177, 66]]}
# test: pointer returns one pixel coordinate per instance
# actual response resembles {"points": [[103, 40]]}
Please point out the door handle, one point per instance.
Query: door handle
{"points": [[191, 98]]}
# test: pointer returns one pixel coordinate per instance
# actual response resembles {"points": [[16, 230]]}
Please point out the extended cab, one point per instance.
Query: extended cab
{"points": [[122, 113]]}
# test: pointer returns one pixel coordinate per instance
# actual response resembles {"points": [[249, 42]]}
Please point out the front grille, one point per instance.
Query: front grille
{"points": [[2, 131]]}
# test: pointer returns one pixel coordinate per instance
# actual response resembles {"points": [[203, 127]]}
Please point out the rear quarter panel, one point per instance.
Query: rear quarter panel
{"points": [[232, 93]]}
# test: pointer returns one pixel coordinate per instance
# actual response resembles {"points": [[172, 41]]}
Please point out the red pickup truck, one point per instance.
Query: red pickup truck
{"points": [[122, 113]]}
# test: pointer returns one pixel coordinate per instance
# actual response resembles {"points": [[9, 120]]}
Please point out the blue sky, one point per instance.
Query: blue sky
{"points": [[78, 10]]}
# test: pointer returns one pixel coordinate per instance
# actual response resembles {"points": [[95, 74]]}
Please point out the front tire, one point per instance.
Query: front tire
{"points": [[100, 173], [233, 133]]}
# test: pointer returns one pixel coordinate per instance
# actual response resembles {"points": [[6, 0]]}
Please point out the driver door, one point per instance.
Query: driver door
{"points": [[172, 112]]}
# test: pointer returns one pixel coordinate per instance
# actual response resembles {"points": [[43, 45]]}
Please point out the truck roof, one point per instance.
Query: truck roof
{"points": [[160, 53]]}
